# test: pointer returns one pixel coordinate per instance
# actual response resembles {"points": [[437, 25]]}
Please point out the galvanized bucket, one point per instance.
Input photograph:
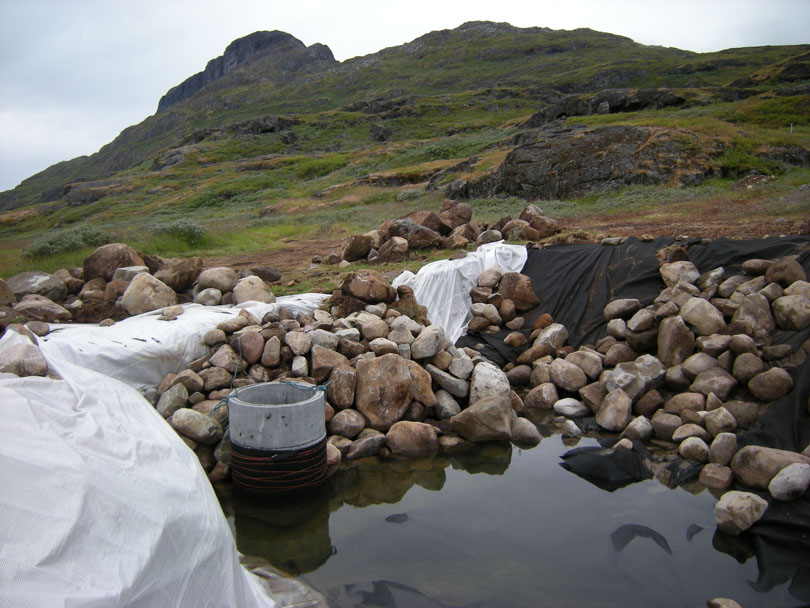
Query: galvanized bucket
{"points": [[277, 416]]}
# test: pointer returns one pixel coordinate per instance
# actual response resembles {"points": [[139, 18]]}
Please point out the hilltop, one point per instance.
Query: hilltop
{"points": [[590, 124]]}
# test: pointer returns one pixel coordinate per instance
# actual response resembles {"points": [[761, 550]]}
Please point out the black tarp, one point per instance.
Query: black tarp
{"points": [[575, 282]]}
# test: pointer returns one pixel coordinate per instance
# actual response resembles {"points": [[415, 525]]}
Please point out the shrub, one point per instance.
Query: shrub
{"points": [[186, 230], [67, 240], [409, 194]]}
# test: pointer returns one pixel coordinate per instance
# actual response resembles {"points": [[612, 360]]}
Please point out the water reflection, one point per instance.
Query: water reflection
{"points": [[622, 536]]}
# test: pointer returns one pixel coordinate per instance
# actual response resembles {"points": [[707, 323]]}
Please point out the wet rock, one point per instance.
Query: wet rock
{"points": [[716, 477], [446, 406], [771, 385], [792, 312], [735, 512], [614, 413], [40, 308], [755, 466], [220, 277], [412, 438], [145, 293], [571, 408], [791, 482], [694, 448], [623, 308], [524, 433], [723, 448], [196, 426], [252, 289], [785, 271], [518, 288], [675, 342], [489, 419], [105, 260]]}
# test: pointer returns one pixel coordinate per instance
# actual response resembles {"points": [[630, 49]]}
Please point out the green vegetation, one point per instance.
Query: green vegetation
{"points": [[64, 241]]}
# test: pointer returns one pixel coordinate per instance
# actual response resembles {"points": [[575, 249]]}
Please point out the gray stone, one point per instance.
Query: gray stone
{"points": [[400, 334], [23, 360], [753, 314], [639, 428], [685, 401], [622, 308], [299, 342], [208, 297], [719, 421], [791, 482], [299, 366], [365, 447], [454, 386], [694, 448], [771, 385], [36, 282], [735, 512], [571, 430], [487, 380], [40, 308], [429, 342], [489, 419], [196, 426], [690, 429], [172, 400], [566, 375], [488, 236], [665, 424], [446, 406], [617, 328], [146, 293], [614, 414], [675, 342], [676, 272], [713, 345], [221, 278], [461, 366], [326, 339], [702, 317], [644, 319], [792, 312], [697, 363], [588, 361], [715, 380], [488, 311], [723, 448], [571, 408]]}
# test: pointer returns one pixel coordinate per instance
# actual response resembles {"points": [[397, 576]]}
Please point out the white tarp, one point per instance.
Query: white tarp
{"points": [[443, 287], [102, 503]]}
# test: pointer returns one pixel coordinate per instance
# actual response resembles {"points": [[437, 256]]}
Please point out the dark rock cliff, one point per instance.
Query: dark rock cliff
{"points": [[290, 52]]}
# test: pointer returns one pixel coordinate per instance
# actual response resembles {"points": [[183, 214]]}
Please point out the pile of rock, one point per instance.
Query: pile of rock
{"points": [[117, 281], [451, 228], [396, 386], [688, 371]]}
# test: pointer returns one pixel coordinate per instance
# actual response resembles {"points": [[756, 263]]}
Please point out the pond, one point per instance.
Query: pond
{"points": [[501, 526]]}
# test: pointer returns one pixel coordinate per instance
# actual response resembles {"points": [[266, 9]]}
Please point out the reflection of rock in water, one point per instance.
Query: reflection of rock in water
{"points": [[740, 547], [292, 534], [623, 535], [490, 458], [389, 594]]}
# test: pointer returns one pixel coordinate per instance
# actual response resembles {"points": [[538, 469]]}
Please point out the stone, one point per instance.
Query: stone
{"points": [[588, 361], [755, 466], [683, 401], [383, 391], [752, 286], [368, 286], [690, 429], [619, 353], [730, 285], [614, 414], [340, 392], [299, 342], [745, 413], [327, 339], [490, 277], [702, 317], [252, 289], [639, 428], [383, 346], [571, 408], [570, 430], [40, 308], [215, 378], [487, 380], [742, 343], [648, 403], [208, 297], [753, 314], [713, 345], [105, 260], [541, 397], [592, 395], [773, 292], [698, 363], [488, 311], [665, 424], [38, 283], [553, 336], [365, 447], [676, 272], [735, 512], [715, 380], [461, 366], [524, 432], [623, 308], [421, 384], [694, 448], [455, 386], [127, 273], [776, 351], [23, 360], [180, 273], [716, 477], [790, 483], [567, 376], [346, 423], [429, 341], [145, 294], [785, 272], [643, 320], [519, 375], [226, 358], [792, 312], [7, 297], [324, 360], [356, 247], [373, 328], [394, 249], [797, 288], [299, 366], [617, 328], [771, 385], [446, 406], [723, 448], [196, 426], [271, 354], [719, 421], [220, 277], [488, 419], [190, 379], [488, 236], [411, 438], [518, 288], [250, 344], [675, 341], [746, 366]]}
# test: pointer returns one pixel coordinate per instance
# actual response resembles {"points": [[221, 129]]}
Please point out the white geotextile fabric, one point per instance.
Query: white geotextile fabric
{"points": [[443, 287], [102, 503]]}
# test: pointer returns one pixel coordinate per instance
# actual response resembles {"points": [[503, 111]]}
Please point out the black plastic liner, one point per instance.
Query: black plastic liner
{"points": [[575, 282]]}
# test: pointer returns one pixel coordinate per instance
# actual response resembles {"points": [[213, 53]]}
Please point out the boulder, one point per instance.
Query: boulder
{"points": [[356, 247], [524, 432], [197, 426], [754, 314], [694, 448], [755, 466], [208, 297], [702, 317], [723, 448], [252, 289], [588, 361], [40, 308], [490, 277], [541, 397], [771, 385], [791, 482], [676, 272], [221, 277], [383, 392], [324, 360], [623, 308], [105, 260], [23, 360], [421, 389], [518, 288], [455, 386], [571, 408], [716, 477], [489, 419], [172, 400], [735, 512], [614, 413], [715, 380], [429, 341], [785, 272], [38, 283], [411, 438], [792, 312], [746, 366], [368, 286], [675, 342], [719, 421], [567, 376], [180, 273], [487, 380], [346, 423], [553, 337], [340, 392], [394, 249], [665, 424]]}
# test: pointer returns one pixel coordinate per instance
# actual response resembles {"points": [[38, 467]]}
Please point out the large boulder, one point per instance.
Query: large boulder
{"points": [[412, 438], [23, 360], [735, 512], [219, 277], [755, 465], [38, 283], [180, 273], [518, 288], [785, 272], [252, 289], [675, 342], [40, 308], [489, 419], [754, 313], [488, 380], [105, 260], [704, 318], [394, 249], [383, 392], [368, 286], [356, 247], [792, 312], [7, 297], [615, 411], [146, 293]]}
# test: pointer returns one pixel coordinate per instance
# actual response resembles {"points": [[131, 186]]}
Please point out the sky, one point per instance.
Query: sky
{"points": [[75, 73]]}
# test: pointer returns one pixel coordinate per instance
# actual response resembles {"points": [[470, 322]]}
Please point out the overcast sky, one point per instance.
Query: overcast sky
{"points": [[74, 73]]}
